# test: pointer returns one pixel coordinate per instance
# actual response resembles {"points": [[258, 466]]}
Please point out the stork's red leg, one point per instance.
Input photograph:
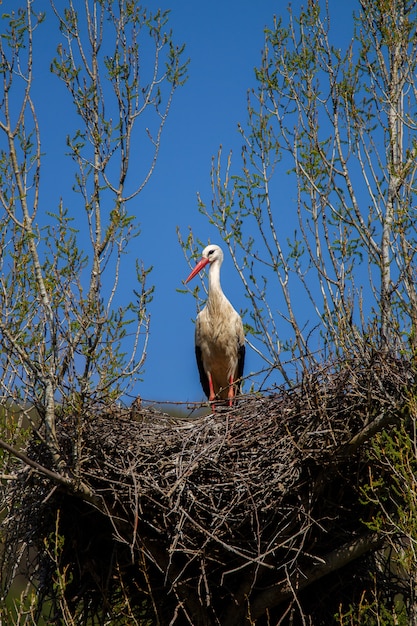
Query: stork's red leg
{"points": [[212, 394], [231, 392]]}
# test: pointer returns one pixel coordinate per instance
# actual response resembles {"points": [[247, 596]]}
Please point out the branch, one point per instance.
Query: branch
{"points": [[383, 419], [76, 487], [335, 560]]}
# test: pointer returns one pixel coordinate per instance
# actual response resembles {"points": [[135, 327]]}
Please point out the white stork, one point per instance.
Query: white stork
{"points": [[219, 338]]}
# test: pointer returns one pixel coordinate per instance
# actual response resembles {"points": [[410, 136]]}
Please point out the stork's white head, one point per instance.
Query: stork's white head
{"points": [[211, 254]]}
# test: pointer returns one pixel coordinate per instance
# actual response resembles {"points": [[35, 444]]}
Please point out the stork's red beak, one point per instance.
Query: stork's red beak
{"points": [[200, 265]]}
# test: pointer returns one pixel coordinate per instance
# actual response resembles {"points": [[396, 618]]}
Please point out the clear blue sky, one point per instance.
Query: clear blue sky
{"points": [[224, 40]]}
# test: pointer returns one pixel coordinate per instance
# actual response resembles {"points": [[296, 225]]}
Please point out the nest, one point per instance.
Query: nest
{"points": [[232, 518]]}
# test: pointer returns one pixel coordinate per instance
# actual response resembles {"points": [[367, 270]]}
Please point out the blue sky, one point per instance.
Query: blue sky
{"points": [[224, 40]]}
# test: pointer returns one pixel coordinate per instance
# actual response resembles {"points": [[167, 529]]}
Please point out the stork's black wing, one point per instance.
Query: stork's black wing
{"points": [[203, 376], [240, 363]]}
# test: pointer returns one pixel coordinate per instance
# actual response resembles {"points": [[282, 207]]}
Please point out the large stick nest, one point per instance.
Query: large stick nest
{"points": [[234, 516]]}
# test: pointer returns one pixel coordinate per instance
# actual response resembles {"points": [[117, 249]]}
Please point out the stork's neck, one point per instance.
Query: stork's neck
{"points": [[215, 293]]}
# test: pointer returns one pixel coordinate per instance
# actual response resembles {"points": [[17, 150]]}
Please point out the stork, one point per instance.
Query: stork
{"points": [[219, 337]]}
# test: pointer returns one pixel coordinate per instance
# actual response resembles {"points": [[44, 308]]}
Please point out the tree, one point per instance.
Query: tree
{"points": [[62, 329], [69, 341], [340, 123]]}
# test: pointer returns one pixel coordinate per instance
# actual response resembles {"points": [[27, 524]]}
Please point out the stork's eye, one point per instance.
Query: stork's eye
{"points": [[210, 252]]}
